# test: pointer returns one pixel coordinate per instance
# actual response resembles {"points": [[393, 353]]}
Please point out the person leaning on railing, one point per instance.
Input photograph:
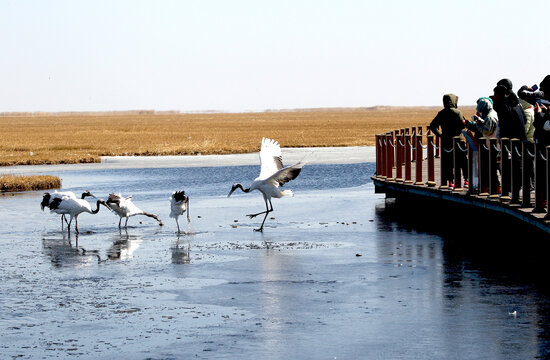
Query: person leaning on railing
{"points": [[451, 121]]}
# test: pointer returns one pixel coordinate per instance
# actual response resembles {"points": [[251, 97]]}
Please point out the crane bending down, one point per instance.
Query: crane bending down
{"points": [[124, 207], [272, 175], [179, 204], [73, 207]]}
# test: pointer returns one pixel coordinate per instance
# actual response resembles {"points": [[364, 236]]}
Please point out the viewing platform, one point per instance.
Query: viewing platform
{"points": [[409, 162]]}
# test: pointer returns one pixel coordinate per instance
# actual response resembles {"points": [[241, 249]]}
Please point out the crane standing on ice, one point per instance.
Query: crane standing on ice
{"points": [[179, 203], [73, 207], [272, 175], [48, 199]]}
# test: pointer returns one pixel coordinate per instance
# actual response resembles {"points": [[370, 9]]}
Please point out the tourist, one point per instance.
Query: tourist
{"points": [[511, 122], [451, 121], [536, 97], [484, 123]]}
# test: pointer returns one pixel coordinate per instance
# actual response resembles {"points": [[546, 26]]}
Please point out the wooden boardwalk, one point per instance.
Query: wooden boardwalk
{"points": [[397, 183]]}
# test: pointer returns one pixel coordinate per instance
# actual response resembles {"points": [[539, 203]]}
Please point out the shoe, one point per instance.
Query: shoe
{"points": [[466, 184], [451, 186]]}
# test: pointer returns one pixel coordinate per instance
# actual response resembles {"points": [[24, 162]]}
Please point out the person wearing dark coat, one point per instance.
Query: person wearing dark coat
{"points": [[510, 112], [451, 121]]}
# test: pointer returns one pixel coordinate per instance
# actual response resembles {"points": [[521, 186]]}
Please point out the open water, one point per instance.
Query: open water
{"points": [[339, 273]]}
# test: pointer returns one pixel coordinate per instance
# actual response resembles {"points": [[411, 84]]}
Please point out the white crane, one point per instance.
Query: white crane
{"points": [[179, 203], [73, 207], [125, 208], [272, 175], [48, 198]]}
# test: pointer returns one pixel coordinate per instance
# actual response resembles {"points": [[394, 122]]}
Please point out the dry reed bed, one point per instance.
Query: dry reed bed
{"points": [[26, 183], [80, 138]]}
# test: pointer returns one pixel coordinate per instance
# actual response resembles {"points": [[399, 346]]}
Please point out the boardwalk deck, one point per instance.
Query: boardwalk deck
{"points": [[496, 202]]}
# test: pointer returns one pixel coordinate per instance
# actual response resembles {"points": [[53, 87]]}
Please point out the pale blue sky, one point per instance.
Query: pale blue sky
{"points": [[254, 55]]}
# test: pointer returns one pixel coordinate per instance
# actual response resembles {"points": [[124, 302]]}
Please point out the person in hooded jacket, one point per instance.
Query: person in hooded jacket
{"points": [[484, 123], [451, 121], [511, 122]]}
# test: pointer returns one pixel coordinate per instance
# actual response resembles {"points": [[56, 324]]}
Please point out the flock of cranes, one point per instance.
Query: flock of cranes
{"points": [[272, 176]]}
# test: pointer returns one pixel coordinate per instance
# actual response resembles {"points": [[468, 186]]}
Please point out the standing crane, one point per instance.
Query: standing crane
{"points": [[179, 204]]}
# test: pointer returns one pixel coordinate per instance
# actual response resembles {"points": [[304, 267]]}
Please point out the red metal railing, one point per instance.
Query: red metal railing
{"points": [[522, 169]]}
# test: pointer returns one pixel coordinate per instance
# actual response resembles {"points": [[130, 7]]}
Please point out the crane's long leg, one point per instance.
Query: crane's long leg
{"points": [[267, 210], [76, 224], [119, 221], [69, 225], [126, 223], [177, 222], [188, 219], [261, 229]]}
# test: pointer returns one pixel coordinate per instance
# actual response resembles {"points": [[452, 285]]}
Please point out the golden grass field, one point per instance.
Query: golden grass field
{"points": [[79, 138], [26, 183]]}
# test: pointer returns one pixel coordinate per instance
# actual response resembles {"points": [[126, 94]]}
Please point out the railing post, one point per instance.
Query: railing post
{"points": [[457, 153], [493, 165], [526, 156], [437, 147], [413, 141], [483, 167], [378, 155], [540, 180], [431, 169], [408, 159], [515, 169], [505, 164], [389, 158], [399, 157], [419, 156], [384, 153]]}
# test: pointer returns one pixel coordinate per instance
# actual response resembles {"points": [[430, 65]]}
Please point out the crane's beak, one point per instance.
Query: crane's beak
{"points": [[232, 189], [102, 202]]}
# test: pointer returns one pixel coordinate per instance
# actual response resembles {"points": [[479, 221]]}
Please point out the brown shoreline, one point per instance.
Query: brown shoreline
{"points": [[13, 183], [69, 138]]}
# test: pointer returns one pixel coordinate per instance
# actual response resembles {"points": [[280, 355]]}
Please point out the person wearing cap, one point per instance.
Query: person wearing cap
{"points": [[451, 121]]}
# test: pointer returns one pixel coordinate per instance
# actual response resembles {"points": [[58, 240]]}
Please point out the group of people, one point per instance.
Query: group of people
{"points": [[524, 115]]}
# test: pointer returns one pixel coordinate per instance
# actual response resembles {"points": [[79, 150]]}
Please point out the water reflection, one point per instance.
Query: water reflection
{"points": [[124, 245], [61, 252], [482, 278], [181, 251]]}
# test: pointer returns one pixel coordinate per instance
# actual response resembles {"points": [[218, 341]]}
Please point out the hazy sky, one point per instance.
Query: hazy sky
{"points": [[253, 55]]}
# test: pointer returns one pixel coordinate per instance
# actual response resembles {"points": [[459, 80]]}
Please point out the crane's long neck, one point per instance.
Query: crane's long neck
{"points": [[240, 186], [97, 209]]}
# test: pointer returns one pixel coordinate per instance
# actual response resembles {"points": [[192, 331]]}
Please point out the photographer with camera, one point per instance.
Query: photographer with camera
{"points": [[539, 99]]}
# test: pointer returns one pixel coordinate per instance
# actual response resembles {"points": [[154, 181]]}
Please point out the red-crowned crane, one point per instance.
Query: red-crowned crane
{"points": [[125, 208], [272, 175], [74, 207], [179, 204]]}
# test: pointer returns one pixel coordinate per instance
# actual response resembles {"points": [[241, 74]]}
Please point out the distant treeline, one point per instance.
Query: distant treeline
{"points": [[92, 113], [176, 112]]}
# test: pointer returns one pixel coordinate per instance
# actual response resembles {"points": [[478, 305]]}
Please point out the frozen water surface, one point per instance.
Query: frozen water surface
{"points": [[298, 290]]}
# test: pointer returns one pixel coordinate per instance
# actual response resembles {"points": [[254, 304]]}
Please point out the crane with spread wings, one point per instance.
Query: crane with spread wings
{"points": [[272, 175]]}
